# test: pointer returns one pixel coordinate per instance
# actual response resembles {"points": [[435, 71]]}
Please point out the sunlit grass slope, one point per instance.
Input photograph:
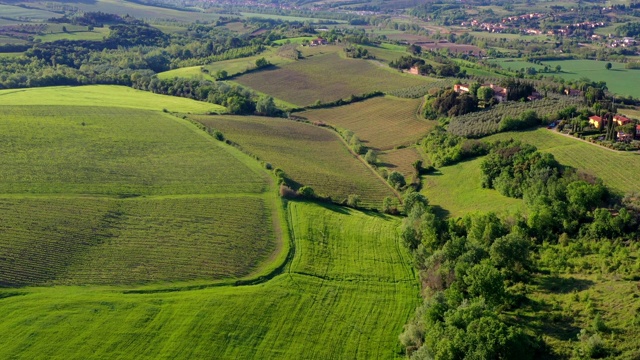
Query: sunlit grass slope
{"points": [[381, 123], [346, 294], [619, 170], [457, 189], [327, 77], [105, 95], [115, 151], [308, 154], [58, 240]]}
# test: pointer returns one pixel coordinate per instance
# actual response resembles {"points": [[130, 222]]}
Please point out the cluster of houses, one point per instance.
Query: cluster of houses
{"points": [[600, 123], [624, 42], [505, 25]]}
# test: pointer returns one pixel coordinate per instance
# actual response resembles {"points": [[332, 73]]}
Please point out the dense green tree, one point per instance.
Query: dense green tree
{"points": [[396, 180]]}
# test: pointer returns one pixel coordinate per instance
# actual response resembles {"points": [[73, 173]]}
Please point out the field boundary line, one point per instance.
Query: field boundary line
{"points": [[282, 254], [598, 145], [335, 132]]}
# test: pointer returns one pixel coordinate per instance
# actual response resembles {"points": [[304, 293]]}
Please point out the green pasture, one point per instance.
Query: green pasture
{"points": [[96, 34], [387, 52], [346, 294], [20, 13], [288, 18], [232, 67], [619, 80], [517, 64], [115, 151], [295, 40], [58, 240], [322, 77], [144, 11], [11, 40], [104, 95], [400, 160], [617, 169], [381, 123], [308, 154], [457, 190], [496, 36]]}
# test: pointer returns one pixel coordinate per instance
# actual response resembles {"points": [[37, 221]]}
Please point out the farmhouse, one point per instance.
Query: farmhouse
{"points": [[595, 121], [572, 92], [461, 88], [317, 42], [499, 93], [621, 120], [414, 70], [598, 122]]}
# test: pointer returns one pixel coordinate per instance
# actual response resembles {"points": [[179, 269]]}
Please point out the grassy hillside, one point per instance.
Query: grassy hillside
{"points": [[115, 151], [16, 12], [457, 190], [618, 169], [346, 294], [97, 195], [104, 95], [96, 34], [308, 154], [381, 123], [400, 160], [619, 80], [144, 11], [323, 77], [64, 240], [232, 67]]}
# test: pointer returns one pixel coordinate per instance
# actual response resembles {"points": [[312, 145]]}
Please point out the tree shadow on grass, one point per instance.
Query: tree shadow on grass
{"points": [[386, 165], [440, 211], [541, 318], [331, 207], [560, 285]]}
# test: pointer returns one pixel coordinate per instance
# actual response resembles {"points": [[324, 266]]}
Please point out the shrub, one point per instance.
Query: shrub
{"points": [[306, 192], [396, 180], [371, 157], [353, 200]]}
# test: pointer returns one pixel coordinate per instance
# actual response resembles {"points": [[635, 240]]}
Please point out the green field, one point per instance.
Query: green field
{"points": [[116, 152], [381, 123], [57, 240], [387, 52], [105, 95], [310, 155], [11, 40], [97, 34], [617, 169], [20, 13], [400, 160], [619, 80], [457, 190], [232, 67], [322, 77], [346, 294], [295, 40], [287, 18], [144, 11], [109, 195]]}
